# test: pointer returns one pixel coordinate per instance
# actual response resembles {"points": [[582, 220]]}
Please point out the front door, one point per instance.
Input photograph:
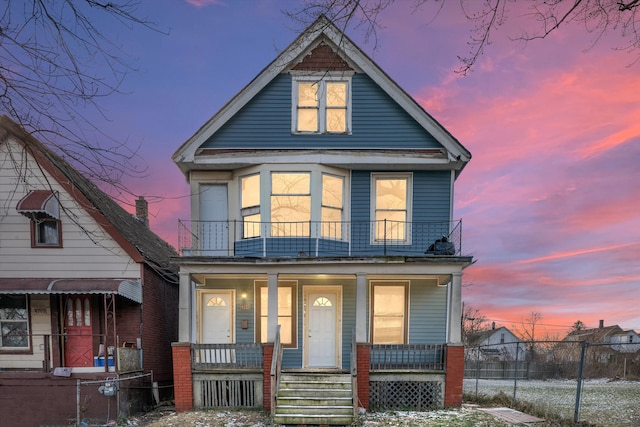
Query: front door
{"points": [[214, 227], [78, 350], [217, 317], [323, 327]]}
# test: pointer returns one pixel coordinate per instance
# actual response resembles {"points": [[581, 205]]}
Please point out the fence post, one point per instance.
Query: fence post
{"points": [[477, 369], [576, 413], [515, 376]]}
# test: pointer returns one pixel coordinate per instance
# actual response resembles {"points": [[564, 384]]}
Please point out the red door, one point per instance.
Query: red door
{"points": [[79, 342]]}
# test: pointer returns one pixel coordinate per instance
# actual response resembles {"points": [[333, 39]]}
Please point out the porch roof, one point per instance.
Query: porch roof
{"points": [[128, 288]]}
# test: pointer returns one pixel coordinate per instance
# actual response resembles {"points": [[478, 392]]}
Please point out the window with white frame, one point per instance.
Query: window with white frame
{"points": [[287, 312], [322, 105], [250, 205], [389, 323], [391, 210], [332, 206], [14, 322], [290, 204]]}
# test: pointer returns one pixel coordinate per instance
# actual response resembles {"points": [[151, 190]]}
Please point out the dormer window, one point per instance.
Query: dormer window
{"points": [[322, 104], [43, 209]]}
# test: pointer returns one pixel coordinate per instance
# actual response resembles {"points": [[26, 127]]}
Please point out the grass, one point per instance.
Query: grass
{"points": [[603, 403]]}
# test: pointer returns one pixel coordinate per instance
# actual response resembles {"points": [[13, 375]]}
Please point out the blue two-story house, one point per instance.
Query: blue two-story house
{"points": [[321, 245]]}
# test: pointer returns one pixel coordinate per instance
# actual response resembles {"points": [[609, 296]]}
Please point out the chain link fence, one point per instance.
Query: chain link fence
{"points": [[113, 398], [575, 382]]}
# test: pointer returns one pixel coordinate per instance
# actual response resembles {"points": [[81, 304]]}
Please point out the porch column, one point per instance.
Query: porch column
{"points": [[272, 313], [361, 307], [454, 321], [184, 308]]}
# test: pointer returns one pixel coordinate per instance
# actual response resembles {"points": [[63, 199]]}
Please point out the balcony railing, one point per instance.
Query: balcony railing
{"points": [[319, 238], [407, 357], [226, 356]]}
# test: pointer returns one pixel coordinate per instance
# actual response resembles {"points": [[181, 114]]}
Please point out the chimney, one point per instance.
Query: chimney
{"points": [[493, 325], [601, 325], [142, 210]]}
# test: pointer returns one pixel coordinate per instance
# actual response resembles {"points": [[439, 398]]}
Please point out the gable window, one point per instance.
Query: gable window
{"points": [[43, 209], [250, 205], [391, 208], [389, 323], [14, 322], [46, 232], [322, 105], [290, 204], [287, 303], [332, 206]]}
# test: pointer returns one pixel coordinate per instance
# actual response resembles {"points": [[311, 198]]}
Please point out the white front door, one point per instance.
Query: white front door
{"points": [[217, 317], [323, 337], [214, 215]]}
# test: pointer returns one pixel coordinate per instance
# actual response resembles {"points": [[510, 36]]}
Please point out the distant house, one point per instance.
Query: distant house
{"points": [[322, 208], [87, 293], [604, 342], [494, 344]]}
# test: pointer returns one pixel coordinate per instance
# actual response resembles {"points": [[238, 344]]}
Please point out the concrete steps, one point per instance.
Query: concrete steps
{"points": [[314, 399]]}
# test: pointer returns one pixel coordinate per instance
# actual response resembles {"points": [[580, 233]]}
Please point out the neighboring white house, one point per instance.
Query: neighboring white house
{"points": [[494, 344]]}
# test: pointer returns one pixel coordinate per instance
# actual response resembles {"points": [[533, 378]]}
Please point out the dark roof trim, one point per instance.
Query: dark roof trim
{"points": [[39, 203], [128, 288]]}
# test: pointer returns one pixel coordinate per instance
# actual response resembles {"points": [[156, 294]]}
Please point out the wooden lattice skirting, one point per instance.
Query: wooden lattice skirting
{"points": [[404, 395]]}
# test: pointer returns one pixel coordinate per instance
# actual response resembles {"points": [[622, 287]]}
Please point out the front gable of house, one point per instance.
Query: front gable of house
{"points": [[322, 92]]}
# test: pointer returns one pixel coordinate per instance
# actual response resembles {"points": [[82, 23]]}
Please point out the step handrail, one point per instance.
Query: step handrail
{"points": [[276, 369]]}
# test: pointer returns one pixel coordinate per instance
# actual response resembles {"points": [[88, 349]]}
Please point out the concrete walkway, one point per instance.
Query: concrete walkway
{"points": [[511, 415]]}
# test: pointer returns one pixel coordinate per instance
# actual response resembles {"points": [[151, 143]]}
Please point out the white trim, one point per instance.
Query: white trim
{"points": [[232, 311], [321, 79], [306, 291]]}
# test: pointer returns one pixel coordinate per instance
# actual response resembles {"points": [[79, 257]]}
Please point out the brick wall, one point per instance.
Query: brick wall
{"points": [[454, 366], [182, 379], [159, 324], [363, 362], [267, 357]]}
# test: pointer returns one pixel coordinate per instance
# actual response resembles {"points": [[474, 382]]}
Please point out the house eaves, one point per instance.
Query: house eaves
{"points": [[321, 28]]}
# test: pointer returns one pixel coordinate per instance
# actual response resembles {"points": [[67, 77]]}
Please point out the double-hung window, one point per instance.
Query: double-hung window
{"points": [[391, 208], [389, 323], [332, 206], [14, 322], [321, 105], [290, 204], [250, 205], [287, 312]]}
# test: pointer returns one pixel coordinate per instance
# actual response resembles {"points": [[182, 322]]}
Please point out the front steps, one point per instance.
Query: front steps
{"points": [[313, 398]]}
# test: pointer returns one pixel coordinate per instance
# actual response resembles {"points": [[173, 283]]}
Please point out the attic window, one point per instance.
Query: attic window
{"points": [[43, 209], [321, 104]]}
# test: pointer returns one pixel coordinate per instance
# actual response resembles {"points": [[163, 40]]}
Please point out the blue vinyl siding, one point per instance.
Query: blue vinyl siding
{"points": [[377, 122], [431, 196], [427, 312]]}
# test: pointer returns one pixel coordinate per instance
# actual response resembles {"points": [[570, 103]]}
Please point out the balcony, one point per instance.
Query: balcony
{"points": [[314, 239]]}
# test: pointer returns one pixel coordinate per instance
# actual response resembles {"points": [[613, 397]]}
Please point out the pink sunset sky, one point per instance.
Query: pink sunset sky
{"points": [[550, 202]]}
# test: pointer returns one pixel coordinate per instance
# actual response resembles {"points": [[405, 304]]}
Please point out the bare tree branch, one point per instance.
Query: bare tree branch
{"points": [[541, 18], [58, 59]]}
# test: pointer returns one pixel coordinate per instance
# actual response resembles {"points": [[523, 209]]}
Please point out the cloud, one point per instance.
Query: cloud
{"points": [[204, 3]]}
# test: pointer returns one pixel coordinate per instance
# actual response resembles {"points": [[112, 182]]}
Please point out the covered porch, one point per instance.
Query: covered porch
{"points": [[330, 316]]}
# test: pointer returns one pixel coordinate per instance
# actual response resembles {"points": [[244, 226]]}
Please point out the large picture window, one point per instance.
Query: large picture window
{"points": [[321, 106], [290, 204], [389, 312], [391, 207], [14, 322], [287, 312]]}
